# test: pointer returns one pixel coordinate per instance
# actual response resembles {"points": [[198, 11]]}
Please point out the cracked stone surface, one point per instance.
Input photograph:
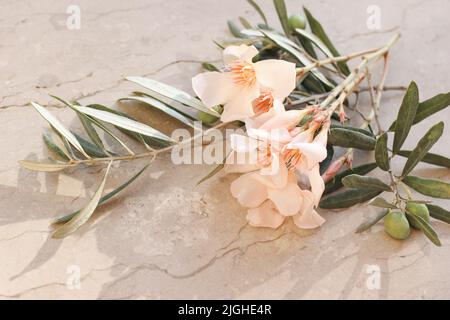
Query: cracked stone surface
{"points": [[164, 237]]}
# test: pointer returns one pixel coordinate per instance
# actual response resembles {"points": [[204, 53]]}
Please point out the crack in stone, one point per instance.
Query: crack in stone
{"points": [[23, 233]]}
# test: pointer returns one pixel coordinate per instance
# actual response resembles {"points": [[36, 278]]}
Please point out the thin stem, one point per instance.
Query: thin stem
{"points": [[152, 153]]}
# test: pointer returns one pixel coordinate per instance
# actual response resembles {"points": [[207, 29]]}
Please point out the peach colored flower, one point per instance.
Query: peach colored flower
{"points": [[243, 87], [269, 186]]}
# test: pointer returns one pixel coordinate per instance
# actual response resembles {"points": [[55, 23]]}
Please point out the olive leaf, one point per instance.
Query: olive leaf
{"points": [[54, 147], [103, 199], [382, 203], [405, 116], [356, 129], [423, 146], [363, 182], [318, 30], [439, 213], [325, 163], [164, 108], [258, 9], [44, 166], [81, 217], [336, 182], [292, 48], [425, 227], [245, 23], [371, 221], [280, 7], [124, 122], [431, 106], [56, 124], [212, 173], [351, 139], [347, 198], [172, 93], [430, 158], [429, 187], [92, 149], [87, 125], [209, 66], [235, 30], [381, 152]]}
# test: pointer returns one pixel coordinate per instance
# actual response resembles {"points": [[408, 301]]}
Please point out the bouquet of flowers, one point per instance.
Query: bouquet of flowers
{"points": [[287, 95]]}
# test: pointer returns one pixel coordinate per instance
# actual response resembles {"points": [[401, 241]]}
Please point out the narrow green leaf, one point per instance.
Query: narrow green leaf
{"points": [[316, 41], [364, 182], [172, 93], [351, 139], [360, 130], [439, 213], [209, 66], [103, 199], [90, 130], [424, 145], [325, 164], [44, 166], [164, 108], [211, 174], [381, 152], [347, 198], [258, 9], [430, 158], [59, 128], [92, 149], [124, 123], [336, 182], [52, 146], [318, 30], [425, 227], [431, 106], [429, 187], [280, 7], [292, 48], [371, 221], [245, 23], [234, 29], [382, 203], [83, 216], [406, 116]]}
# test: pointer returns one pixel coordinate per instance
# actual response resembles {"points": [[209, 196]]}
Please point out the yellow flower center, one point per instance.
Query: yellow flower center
{"points": [[263, 103], [243, 73]]}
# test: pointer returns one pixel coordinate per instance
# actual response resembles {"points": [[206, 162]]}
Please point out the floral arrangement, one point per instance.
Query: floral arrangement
{"points": [[289, 93]]}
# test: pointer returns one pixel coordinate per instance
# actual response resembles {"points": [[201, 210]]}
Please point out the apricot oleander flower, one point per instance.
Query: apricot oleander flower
{"points": [[268, 186], [245, 88]]}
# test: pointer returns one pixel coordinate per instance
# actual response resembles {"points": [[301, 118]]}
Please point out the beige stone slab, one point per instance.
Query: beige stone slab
{"points": [[164, 237]]}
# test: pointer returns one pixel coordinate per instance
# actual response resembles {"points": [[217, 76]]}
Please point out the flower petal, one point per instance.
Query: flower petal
{"points": [[240, 106], [313, 153], [274, 176], [239, 53], [240, 163], [241, 143], [265, 216], [308, 218], [277, 75], [214, 88], [287, 120], [287, 200], [259, 120], [248, 191], [317, 184]]}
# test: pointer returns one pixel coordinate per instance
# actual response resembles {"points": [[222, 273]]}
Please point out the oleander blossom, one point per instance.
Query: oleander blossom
{"points": [[268, 186], [244, 88]]}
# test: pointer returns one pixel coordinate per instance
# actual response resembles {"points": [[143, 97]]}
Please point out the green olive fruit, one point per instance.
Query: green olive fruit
{"points": [[418, 209], [297, 21], [396, 225]]}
